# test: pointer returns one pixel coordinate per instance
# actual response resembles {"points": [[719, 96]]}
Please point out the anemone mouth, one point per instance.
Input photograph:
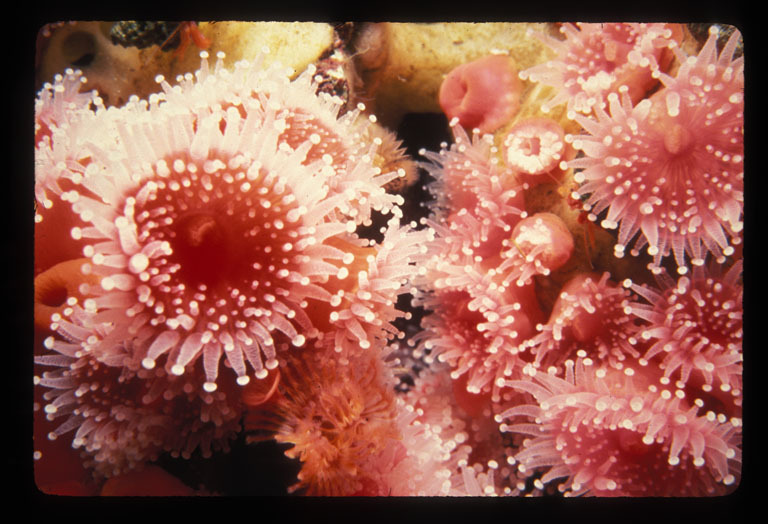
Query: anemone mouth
{"points": [[531, 146], [462, 325], [223, 249], [203, 248], [700, 326], [677, 140], [221, 230], [534, 146], [630, 443]]}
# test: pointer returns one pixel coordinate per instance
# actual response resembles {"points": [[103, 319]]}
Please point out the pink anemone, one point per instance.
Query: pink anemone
{"points": [[617, 433], [590, 316], [694, 327], [122, 415], [535, 146], [482, 94], [208, 231], [671, 167], [595, 59]]}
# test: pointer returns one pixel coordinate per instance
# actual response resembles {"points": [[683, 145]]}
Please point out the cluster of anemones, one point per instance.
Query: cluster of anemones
{"points": [[478, 273], [202, 270], [657, 388], [625, 389], [217, 221]]}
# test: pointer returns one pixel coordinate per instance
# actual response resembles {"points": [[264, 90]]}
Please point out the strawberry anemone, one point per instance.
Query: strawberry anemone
{"points": [[610, 432], [595, 59], [476, 274], [671, 167], [694, 327], [122, 415], [468, 176], [217, 219], [479, 321], [539, 244], [209, 232], [477, 336], [590, 316]]}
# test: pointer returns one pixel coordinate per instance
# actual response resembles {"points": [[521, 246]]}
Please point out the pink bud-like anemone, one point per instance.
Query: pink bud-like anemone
{"points": [[479, 323], [611, 432], [671, 167], [539, 244], [535, 146], [482, 94]]}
